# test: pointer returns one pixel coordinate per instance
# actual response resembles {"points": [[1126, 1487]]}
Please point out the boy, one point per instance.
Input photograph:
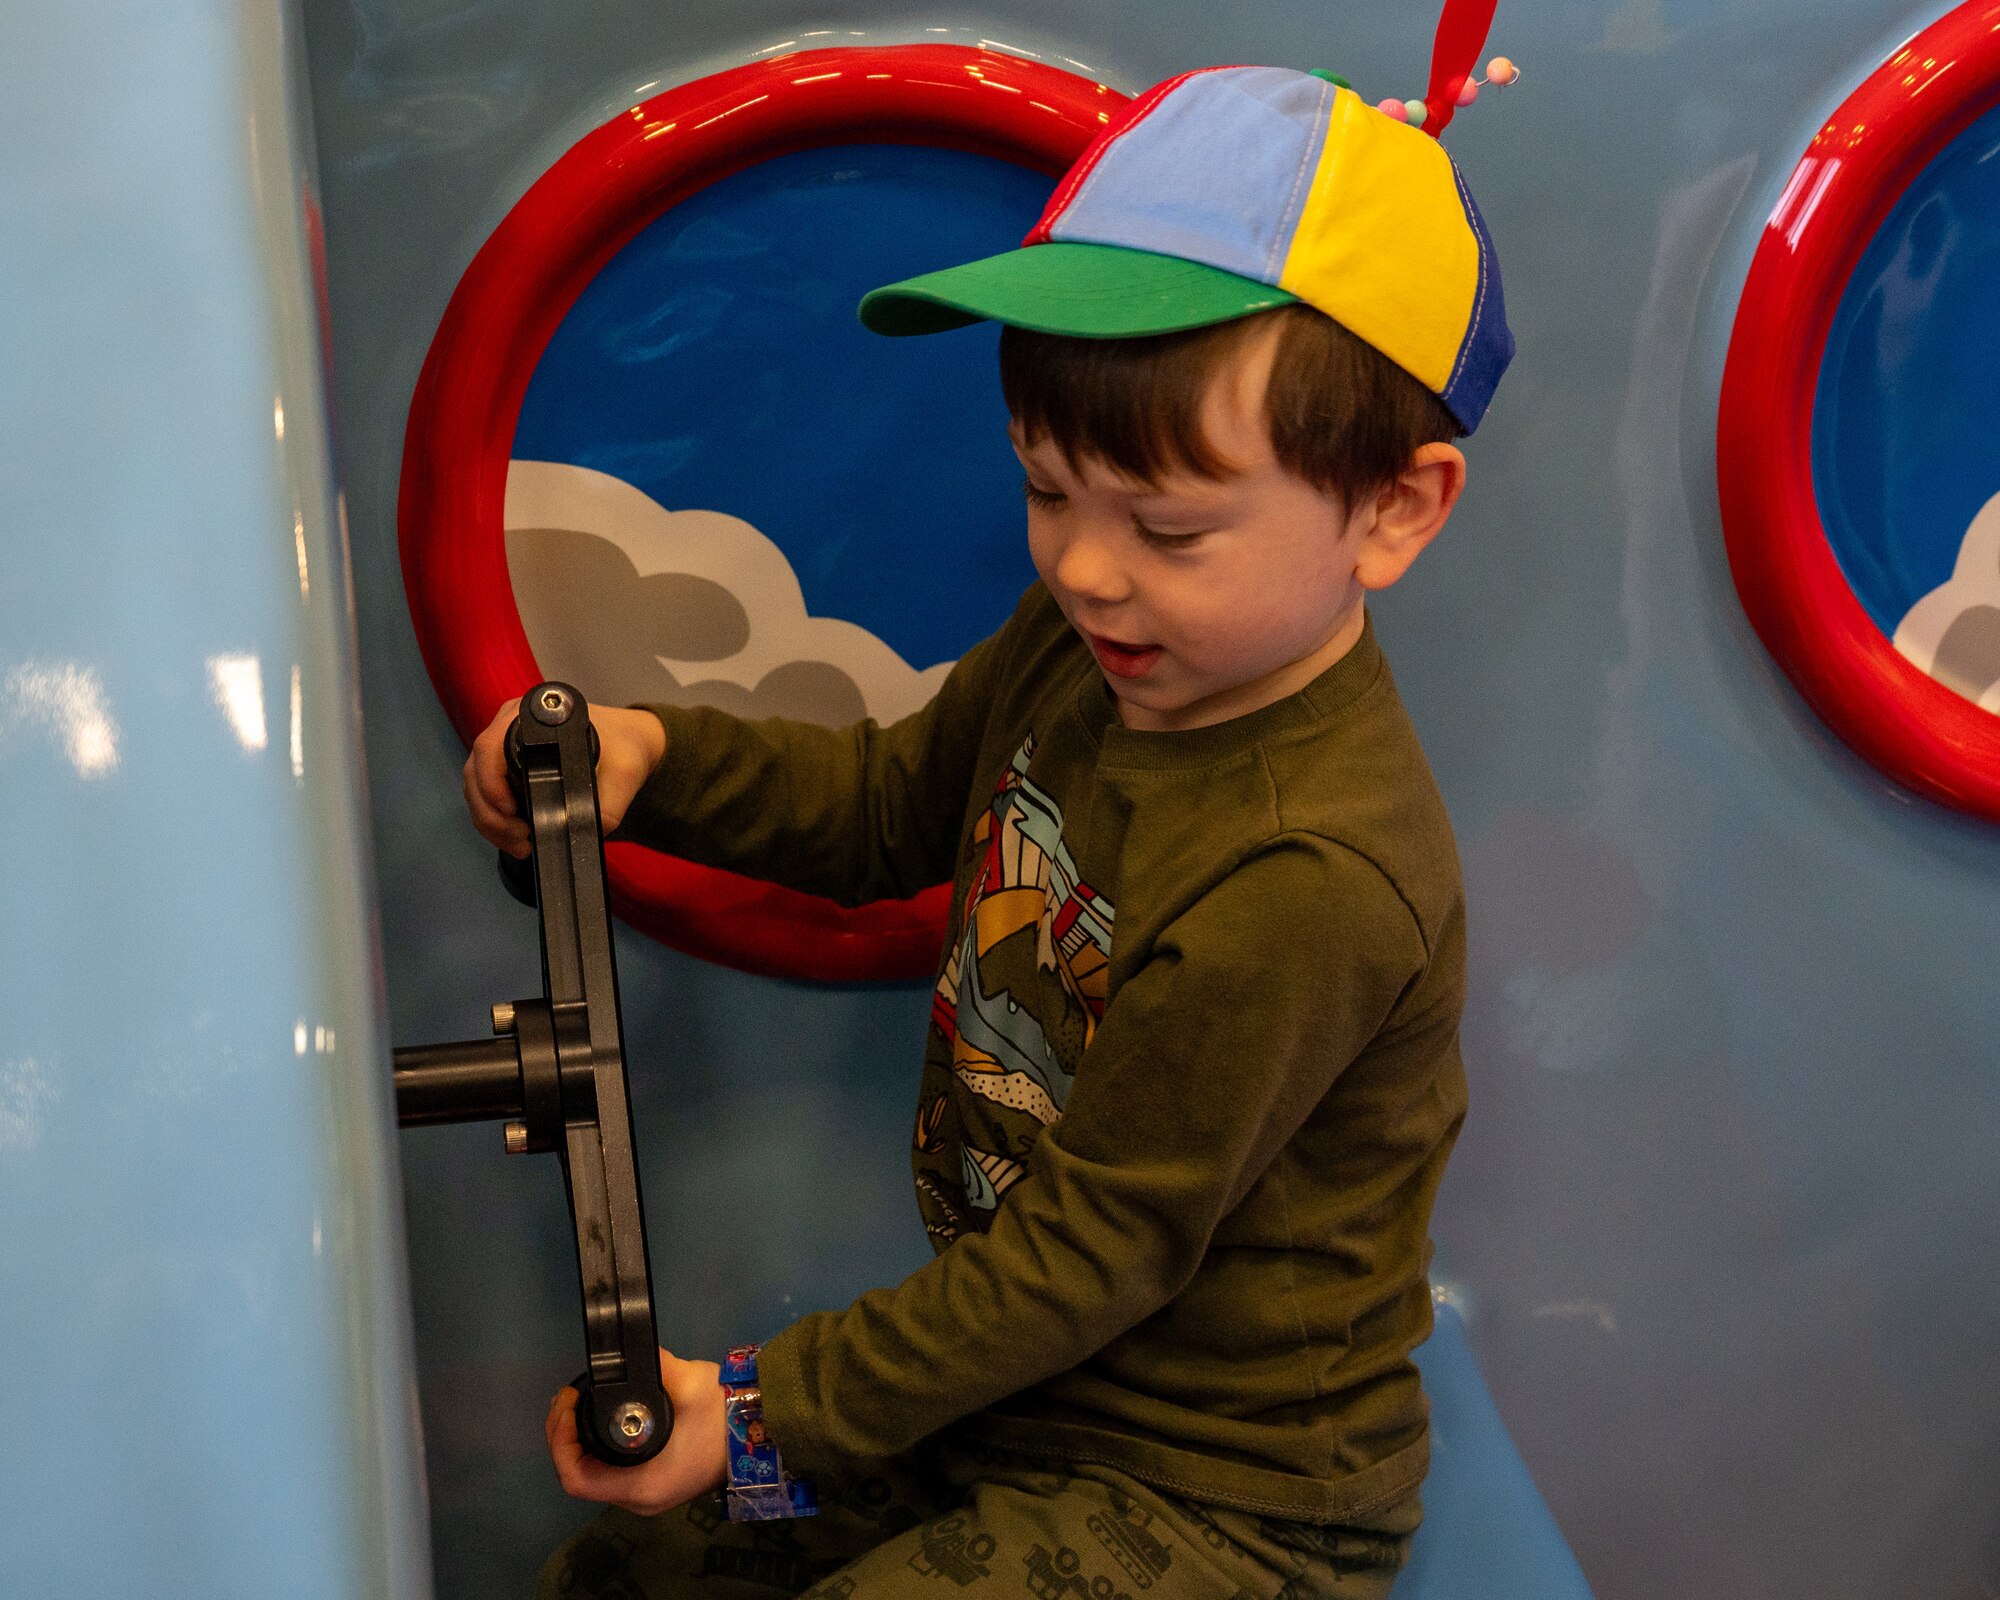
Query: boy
{"points": [[1193, 1072]]}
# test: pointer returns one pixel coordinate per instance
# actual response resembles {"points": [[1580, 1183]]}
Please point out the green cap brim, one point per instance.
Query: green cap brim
{"points": [[1089, 291]]}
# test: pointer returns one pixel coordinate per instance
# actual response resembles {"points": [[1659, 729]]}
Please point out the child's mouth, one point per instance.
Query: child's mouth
{"points": [[1123, 660]]}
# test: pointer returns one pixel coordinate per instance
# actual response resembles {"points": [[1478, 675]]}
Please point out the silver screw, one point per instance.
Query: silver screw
{"points": [[503, 1016], [634, 1423], [552, 707], [517, 1138]]}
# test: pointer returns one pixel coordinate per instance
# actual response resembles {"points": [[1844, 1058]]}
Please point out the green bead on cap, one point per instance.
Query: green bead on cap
{"points": [[1333, 78]]}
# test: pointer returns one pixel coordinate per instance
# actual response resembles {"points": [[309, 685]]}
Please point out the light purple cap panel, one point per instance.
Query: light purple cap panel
{"points": [[1217, 172]]}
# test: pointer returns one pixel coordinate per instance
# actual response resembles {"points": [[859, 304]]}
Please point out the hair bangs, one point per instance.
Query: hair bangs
{"points": [[1134, 404], [1340, 414]]}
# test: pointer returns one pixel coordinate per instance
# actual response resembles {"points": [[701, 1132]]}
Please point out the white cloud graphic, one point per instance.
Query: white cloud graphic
{"points": [[715, 606], [1953, 633]]}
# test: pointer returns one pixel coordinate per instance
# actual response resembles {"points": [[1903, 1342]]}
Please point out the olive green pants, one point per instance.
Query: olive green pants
{"points": [[964, 1522]]}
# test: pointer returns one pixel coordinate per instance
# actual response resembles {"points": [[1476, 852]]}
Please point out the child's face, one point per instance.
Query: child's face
{"points": [[1206, 600]]}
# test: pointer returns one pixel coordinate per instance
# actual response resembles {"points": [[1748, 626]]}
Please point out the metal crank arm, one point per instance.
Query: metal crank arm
{"points": [[555, 1073]]}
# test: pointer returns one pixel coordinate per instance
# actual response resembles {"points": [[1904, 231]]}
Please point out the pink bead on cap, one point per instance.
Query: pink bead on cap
{"points": [[1450, 94], [1461, 35]]}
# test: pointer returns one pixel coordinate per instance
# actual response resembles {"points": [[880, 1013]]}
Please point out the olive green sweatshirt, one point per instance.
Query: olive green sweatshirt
{"points": [[1191, 1078]]}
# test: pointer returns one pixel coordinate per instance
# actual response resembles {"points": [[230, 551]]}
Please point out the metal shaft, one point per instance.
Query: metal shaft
{"points": [[478, 1080]]}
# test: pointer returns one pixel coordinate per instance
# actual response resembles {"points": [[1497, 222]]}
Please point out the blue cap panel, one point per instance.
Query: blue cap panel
{"points": [[1217, 172], [1489, 342]]}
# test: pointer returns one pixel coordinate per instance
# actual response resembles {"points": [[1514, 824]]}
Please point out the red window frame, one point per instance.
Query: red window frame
{"points": [[608, 187], [1850, 178]]}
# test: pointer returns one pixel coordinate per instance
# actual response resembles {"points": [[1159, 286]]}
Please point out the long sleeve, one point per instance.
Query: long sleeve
{"points": [[855, 814], [1207, 1061]]}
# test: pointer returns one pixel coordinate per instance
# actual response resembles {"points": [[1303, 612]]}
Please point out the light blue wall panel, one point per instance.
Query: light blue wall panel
{"points": [[204, 1333], [1726, 1215]]}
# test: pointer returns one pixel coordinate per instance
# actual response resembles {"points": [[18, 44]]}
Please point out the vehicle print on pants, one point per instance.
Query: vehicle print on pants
{"points": [[947, 1551], [1058, 1575], [1127, 1537]]}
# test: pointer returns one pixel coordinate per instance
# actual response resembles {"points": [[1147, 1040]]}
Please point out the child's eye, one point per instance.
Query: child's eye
{"points": [[1161, 537], [1039, 497]]}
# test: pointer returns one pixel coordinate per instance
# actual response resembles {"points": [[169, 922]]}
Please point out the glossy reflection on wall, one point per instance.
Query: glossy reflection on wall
{"points": [[724, 491], [1906, 428]]}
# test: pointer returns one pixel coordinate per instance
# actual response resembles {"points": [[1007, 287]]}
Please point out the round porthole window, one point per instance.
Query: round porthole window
{"points": [[653, 453], [1858, 452]]}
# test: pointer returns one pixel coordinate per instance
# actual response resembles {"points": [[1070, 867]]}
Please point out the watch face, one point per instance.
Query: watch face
{"points": [[1906, 429], [1858, 460], [653, 453]]}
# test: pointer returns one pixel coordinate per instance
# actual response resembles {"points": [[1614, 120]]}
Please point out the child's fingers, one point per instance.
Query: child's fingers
{"points": [[563, 1405], [585, 1479], [488, 764], [565, 1449], [510, 833], [488, 795], [581, 1477]]}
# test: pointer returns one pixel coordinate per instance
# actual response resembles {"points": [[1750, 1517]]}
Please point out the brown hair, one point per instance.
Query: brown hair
{"points": [[1342, 415]]}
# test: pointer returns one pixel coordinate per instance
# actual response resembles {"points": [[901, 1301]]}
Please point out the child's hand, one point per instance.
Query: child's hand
{"points": [[630, 744], [695, 1461]]}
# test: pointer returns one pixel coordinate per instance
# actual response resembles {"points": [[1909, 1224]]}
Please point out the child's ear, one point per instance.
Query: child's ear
{"points": [[1409, 513]]}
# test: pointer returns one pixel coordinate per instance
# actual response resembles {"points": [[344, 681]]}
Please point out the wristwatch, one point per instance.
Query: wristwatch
{"points": [[760, 1489]]}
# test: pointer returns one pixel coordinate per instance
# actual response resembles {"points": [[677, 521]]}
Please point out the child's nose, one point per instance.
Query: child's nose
{"points": [[1089, 568]]}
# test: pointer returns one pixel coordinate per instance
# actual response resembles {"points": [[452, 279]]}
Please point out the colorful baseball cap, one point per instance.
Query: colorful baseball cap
{"points": [[1230, 190]]}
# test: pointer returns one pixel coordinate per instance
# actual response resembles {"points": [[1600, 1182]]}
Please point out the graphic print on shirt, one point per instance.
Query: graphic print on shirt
{"points": [[1027, 887]]}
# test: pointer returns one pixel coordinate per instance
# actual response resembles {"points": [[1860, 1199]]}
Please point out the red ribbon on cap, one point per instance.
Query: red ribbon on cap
{"points": [[1461, 35]]}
